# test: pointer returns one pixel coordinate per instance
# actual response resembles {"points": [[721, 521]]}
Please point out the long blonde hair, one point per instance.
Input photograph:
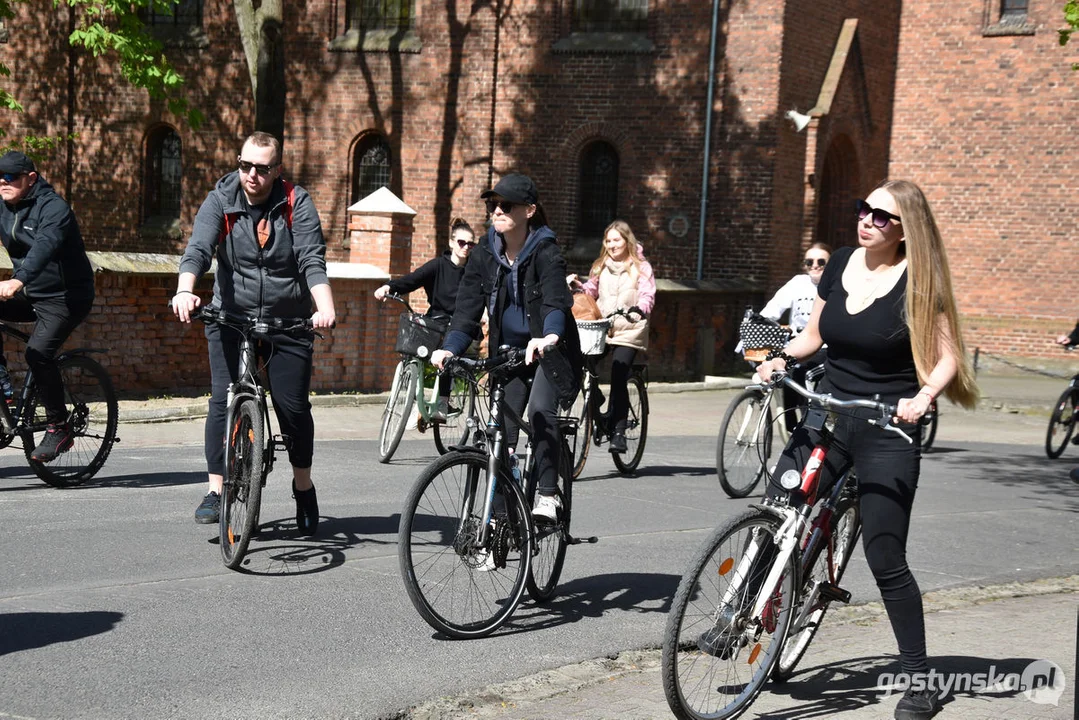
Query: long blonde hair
{"points": [[929, 292], [632, 247]]}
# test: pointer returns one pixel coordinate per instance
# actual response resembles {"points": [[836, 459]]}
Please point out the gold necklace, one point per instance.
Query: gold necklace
{"points": [[866, 298]]}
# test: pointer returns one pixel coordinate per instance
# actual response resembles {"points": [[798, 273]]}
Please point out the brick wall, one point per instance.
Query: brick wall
{"points": [[986, 125]]}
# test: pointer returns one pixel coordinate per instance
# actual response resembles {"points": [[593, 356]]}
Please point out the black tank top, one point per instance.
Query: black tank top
{"points": [[869, 352]]}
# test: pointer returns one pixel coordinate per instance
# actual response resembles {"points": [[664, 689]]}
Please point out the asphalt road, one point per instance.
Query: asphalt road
{"points": [[114, 604]]}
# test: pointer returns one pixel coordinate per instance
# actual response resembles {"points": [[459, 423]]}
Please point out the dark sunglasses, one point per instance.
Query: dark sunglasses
{"points": [[262, 170], [820, 262], [11, 177], [880, 217], [465, 244], [506, 205]]}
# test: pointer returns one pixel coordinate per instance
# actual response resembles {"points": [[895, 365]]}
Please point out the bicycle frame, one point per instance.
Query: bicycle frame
{"points": [[247, 386]]}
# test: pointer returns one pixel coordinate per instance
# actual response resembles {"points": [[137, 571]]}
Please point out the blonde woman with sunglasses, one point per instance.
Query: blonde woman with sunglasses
{"points": [[888, 314]]}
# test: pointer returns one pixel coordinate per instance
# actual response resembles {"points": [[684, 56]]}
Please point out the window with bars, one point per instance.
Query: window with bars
{"points": [[164, 174], [370, 166], [183, 14], [1013, 7], [598, 189], [610, 15], [381, 14]]}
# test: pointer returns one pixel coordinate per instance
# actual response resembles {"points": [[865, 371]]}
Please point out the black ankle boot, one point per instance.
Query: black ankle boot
{"points": [[306, 509], [917, 705]]}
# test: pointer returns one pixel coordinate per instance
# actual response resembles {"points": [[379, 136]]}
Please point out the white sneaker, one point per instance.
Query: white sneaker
{"points": [[547, 507], [483, 561]]}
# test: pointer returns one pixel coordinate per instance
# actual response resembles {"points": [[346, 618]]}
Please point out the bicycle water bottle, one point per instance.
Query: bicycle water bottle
{"points": [[6, 387], [515, 468]]}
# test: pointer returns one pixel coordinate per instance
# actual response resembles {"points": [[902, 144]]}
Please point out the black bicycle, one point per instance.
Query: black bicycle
{"points": [[595, 426], [1062, 419], [92, 417], [249, 448], [468, 545]]}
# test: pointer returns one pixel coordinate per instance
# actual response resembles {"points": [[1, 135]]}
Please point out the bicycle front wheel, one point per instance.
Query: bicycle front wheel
{"points": [[462, 589], [827, 565], [745, 442], [636, 426], [716, 657], [1061, 424], [398, 407], [242, 489], [550, 539], [92, 417], [462, 405]]}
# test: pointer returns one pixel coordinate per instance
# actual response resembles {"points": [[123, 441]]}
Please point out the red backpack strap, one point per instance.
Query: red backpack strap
{"points": [[290, 201], [230, 221]]}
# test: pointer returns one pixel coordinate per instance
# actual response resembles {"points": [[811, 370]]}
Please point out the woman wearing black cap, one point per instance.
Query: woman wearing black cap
{"points": [[518, 274]]}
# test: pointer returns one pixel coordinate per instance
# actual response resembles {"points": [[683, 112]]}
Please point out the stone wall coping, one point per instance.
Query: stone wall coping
{"points": [[381, 202], [132, 263]]}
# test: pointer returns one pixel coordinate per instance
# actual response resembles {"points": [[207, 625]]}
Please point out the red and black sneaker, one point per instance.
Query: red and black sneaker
{"points": [[58, 439]]}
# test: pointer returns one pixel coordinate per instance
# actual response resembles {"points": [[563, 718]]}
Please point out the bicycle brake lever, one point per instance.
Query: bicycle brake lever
{"points": [[886, 424]]}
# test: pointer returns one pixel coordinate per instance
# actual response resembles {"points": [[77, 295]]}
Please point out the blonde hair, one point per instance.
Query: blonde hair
{"points": [[632, 246], [929, 292]]}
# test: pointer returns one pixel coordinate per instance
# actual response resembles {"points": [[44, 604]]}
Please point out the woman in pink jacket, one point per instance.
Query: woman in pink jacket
{"points": [[621, 279]]}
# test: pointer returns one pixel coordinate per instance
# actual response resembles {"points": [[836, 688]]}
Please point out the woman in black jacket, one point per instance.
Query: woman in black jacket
{"points": [[440, 279], [519, 275]]}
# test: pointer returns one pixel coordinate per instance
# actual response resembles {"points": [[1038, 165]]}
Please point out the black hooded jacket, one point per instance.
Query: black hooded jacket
{"points": [[42, 237]]}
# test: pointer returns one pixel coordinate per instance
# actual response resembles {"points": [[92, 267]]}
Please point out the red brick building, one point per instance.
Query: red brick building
{"points": [[605, 103]]}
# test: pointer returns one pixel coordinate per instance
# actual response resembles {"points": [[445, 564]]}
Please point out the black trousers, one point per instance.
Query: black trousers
{"points": [[887, 468], [288, 368], [55, 318], [543, 416], [621, 366]]}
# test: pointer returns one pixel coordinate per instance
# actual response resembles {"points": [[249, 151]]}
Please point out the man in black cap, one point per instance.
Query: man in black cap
{"points": [[52, 284]]}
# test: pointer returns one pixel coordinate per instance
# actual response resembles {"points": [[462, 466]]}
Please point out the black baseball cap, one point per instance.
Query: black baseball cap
{"points": [[16, 162], [515, 188]]}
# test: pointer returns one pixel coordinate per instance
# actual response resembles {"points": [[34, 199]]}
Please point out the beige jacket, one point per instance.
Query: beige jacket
{"points": [[619, 286]]}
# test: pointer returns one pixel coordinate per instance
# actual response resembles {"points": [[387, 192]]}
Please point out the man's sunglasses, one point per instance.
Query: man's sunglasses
{"points": [[808, 262], [506, 205], [262, 170], [10, 177], [880, 217]]}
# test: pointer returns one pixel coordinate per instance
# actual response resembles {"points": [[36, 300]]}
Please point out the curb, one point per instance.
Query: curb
{"points": [[573, 678]]}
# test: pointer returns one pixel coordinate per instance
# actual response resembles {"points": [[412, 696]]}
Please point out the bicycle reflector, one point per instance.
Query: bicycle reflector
{"points": [[790, 480]]}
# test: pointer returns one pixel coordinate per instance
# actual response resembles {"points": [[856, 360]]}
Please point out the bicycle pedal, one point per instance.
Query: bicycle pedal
{"points": [[833, 592], [591, 540], [281, 442]]}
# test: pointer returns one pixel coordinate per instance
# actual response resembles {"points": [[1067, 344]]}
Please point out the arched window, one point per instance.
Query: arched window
{"points": [[164, 173], [598, 189], [370, 166]]}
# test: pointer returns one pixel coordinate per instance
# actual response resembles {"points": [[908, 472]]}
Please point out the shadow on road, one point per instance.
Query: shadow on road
{"points": [[146, 480], [1026, 469], [655, 471], [826, 690], [280, 550], [29, 630]]}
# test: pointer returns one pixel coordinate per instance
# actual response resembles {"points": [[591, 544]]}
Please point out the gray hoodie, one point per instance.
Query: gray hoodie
{"points": [[271, 281]]}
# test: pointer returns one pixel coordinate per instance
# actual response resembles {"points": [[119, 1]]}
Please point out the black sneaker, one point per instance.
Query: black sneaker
{"points": [[920, 705], [57, 440], [209, 510], [618, 442]]}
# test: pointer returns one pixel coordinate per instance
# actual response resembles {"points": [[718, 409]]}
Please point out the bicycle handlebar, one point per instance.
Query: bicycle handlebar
{"points": [[399, 298], [825, 400], [627, 313], [506, 356], [260, 326]]}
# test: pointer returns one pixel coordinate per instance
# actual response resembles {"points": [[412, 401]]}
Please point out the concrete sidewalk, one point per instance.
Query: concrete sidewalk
{"points": [[966, 629]]}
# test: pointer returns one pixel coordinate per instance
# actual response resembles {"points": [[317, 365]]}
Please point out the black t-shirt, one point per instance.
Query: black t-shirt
{"points": [[868, 352]]}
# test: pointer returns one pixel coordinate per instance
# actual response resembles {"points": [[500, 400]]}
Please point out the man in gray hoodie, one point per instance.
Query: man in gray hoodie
{"points": [[271, 263]]}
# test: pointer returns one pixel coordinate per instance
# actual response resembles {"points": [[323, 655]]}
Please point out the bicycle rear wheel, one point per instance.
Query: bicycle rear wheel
{"points": [[463, 590], [846, 524], [716, 658], [929, 428], [582, 410], [398, 407], [745, 443], [636, 426], [462, 404], [242, 489], [1061, 423], [92, 417], [550, 539]]}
